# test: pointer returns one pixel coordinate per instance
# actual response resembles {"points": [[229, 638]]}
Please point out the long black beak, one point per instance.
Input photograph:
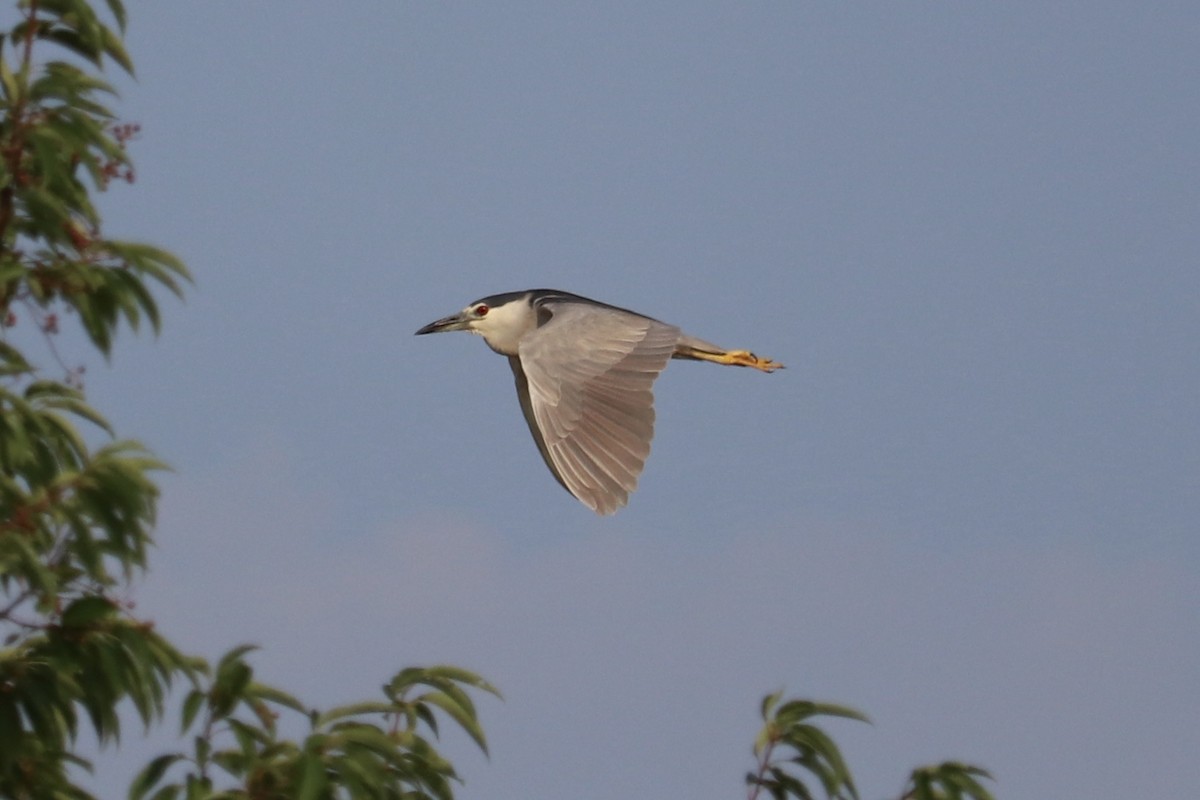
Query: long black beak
{"points": [[454, 322]]}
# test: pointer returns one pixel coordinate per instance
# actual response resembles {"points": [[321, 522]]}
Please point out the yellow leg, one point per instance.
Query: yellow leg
{"points": [[744, 358], [699, 350], [735, 358]]}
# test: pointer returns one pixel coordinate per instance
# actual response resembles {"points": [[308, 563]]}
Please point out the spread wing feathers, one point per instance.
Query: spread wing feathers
{"points": [[584, 379]]}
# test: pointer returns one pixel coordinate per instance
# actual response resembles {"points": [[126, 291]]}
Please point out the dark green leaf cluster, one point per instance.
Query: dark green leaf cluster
{"points": [[790, 750], [88, 660], [58, 143], [74, 524], [789, 746], [365, 750], [75, 520], [950, 780]]}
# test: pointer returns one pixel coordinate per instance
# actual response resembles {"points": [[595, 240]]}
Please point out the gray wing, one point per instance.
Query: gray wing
{"points": [[584, 379]]}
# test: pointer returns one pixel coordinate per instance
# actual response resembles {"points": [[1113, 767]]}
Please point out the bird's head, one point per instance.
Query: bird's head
{"points": [[501, 320]]}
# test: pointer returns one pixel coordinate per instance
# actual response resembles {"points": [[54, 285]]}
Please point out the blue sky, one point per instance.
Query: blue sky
{"points": [[968, 507]]}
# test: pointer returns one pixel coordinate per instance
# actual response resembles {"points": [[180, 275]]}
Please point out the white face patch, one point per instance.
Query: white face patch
{"points": [[502, 327]]}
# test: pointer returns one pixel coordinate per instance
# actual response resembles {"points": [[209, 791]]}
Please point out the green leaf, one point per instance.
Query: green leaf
{"points": [[8, 82], [117, 8], [277, 696], [234, 655], [12, 362], [203, 749], [249, 738], [191, 706], [781, 784], [769, 702], [151, 774], [88, 610], [947, 780], [460, 675], [313, 782], [170, 792], [796, 710], [352, 710], [464, 716], [787, 739], [114, 48]]}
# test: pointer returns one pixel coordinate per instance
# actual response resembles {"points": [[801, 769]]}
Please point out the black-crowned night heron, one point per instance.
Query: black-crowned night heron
{"points": [[584, 371]]}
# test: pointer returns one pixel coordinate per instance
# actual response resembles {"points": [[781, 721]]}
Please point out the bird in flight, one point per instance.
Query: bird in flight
{"points": [[584, 371]]}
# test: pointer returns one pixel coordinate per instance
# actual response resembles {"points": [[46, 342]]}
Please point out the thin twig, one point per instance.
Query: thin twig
{"points": [[764, 763], [18, 600]]}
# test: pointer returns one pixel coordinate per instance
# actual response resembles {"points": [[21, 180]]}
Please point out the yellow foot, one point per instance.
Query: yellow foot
{"points": [[744, 358]]}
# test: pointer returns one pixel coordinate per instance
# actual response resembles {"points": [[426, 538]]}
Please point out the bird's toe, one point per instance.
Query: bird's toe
{"points": [[744, 358]]}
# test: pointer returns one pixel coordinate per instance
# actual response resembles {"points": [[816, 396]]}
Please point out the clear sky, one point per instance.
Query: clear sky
{"points": [[968, 507]]}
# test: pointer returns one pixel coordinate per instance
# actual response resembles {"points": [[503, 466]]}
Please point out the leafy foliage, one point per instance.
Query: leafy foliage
{"points": [[790, 748], [805, 746], [76, 521], [58, 143], [370, 750], [949, 780]]}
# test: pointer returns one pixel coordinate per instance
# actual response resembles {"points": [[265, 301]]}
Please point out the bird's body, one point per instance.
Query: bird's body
{"points": [[584, 372]]}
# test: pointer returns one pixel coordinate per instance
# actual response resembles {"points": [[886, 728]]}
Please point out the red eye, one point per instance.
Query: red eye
{"points": [[481, 310]]}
